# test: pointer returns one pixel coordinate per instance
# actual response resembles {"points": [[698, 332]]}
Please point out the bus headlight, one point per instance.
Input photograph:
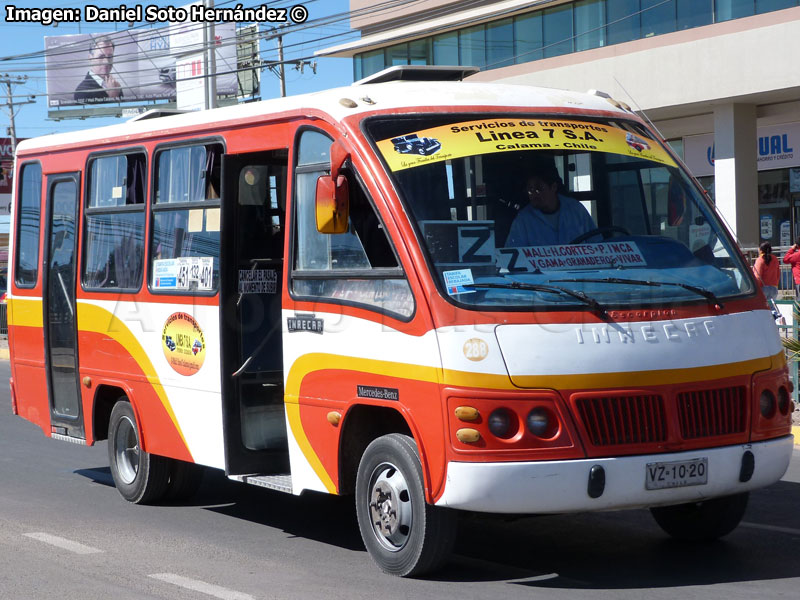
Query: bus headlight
{"points": [[766, 404], [540, 422], [502, 423], [783, 400]]}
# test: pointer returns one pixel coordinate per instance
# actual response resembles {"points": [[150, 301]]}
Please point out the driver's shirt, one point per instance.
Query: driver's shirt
{"points": [[532, 227]]}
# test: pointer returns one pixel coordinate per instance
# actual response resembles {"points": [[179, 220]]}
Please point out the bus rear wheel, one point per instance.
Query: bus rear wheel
{"points": [[702, 521], [403, 534], [140, 477]]}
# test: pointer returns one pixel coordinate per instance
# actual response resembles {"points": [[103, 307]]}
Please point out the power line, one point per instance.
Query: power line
{"points": [[26, 61]]}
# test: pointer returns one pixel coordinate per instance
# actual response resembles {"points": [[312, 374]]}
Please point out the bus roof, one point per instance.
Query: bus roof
{"points": [[340, 103]]}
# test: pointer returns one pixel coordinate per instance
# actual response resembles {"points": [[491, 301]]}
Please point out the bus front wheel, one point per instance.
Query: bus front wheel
{"points": [[702, 521], [403, 534], [140, 477]]}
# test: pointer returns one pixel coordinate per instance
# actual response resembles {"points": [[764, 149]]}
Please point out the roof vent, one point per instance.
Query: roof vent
{"points": [[419, 73]]}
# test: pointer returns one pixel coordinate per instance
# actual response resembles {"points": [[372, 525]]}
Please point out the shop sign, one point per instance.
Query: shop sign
{"points": [[786, 234], [766, 227], [778, 147]]}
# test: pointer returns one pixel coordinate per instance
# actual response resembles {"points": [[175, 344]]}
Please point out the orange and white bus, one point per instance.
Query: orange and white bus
{"points": [[361, 291]]}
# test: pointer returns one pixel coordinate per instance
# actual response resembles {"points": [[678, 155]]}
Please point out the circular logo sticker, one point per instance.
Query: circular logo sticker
{"points": [[476, 349], [183, 343]]}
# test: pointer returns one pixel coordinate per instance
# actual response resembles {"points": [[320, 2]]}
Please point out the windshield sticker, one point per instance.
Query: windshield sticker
{"points": [[184, 273], [605, 255], [455, 281], [485, 136]]}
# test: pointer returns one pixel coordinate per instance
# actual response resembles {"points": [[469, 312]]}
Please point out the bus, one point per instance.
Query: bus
{"points": [[333, 293]]}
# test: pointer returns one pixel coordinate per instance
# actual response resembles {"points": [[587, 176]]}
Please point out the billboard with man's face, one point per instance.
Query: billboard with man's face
{"points": [[130, 65]]}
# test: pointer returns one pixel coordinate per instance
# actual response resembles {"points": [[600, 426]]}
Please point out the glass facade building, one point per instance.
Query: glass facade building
{"points": [[558, 30]]}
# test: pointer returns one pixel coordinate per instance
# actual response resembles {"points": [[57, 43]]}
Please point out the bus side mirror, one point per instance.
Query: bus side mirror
{"points": [[332, 201]]}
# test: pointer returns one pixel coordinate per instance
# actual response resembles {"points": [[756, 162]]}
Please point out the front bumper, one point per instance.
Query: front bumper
{"points": [[562, 486]]}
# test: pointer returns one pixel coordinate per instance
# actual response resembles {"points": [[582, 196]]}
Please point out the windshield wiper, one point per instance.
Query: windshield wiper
{"points": [[552, 289], [707, 294]]}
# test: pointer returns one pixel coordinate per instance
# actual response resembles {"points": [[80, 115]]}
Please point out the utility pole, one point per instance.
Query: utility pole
{"points": [[9, 81], [281, 67], [210, 44]]}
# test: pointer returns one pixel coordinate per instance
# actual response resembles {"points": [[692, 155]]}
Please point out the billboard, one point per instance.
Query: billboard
{"points": [[130, 65]]}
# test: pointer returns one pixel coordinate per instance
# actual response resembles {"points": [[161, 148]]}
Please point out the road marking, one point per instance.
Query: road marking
{"points": [[64, 543], [201, 586], [788, 530]]}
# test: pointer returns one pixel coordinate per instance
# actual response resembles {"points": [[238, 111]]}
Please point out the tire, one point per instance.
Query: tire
{"points": [[702, 521], [184, 480], [140, 477], [403, 534]]}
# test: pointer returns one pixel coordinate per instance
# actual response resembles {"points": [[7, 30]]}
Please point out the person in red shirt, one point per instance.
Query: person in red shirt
{"points": [[792, 257], [767, 271]]}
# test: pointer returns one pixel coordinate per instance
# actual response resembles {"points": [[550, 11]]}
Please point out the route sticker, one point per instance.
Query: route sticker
{"points": [[484, 136], [183, 343], [184, 273], [604, 255]]}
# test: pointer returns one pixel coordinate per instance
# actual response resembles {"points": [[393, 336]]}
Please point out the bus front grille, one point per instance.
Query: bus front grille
{"points": [[617, 420], [709, 413]]}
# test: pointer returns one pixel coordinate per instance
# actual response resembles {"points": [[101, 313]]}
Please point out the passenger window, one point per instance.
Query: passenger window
{"points": [[186, 217], [355, 267], [114, 249], [29, 202]]}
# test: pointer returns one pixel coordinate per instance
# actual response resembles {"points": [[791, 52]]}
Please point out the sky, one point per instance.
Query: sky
{"points": [[31, 120]]}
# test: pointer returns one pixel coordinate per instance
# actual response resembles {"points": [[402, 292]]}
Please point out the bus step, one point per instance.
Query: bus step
{"points": [[281, 483], [68, 438]]}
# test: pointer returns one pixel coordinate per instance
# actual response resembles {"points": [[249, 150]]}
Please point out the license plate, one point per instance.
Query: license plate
{"points": [[680, 473]]}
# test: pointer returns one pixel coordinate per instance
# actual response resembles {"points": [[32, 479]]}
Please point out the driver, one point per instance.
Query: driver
{"points": [[550, 217]]}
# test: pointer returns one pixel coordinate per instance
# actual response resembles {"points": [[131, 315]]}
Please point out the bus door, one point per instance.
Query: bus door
{"points": [[60, 322], [251, 257]]}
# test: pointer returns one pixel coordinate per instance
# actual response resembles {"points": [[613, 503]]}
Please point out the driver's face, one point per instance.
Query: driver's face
{"points": [[542, 195]]}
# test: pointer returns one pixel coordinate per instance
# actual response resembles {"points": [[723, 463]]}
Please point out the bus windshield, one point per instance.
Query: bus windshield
{"points": [[521, 212]]}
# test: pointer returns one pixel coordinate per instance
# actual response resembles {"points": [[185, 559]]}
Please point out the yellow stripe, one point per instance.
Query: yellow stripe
{"points": [[25, 312], [91, 318], [309, 363], [95, 319]]}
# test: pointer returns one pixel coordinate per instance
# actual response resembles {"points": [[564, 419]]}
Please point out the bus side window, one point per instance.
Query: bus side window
{"points": [[362, 254], [186, 216], [26, 265], [115, 216]]}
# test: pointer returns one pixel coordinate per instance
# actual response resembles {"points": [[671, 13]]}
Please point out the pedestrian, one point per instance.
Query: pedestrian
{"points": [[792, 257], [767, 271]]}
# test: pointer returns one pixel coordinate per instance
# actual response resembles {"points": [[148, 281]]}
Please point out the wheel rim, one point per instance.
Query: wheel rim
{"points": [[390, 507], [126, 450]]}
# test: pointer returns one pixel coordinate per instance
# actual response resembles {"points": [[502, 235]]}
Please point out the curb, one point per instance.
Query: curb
{"points": [[3, 353]]}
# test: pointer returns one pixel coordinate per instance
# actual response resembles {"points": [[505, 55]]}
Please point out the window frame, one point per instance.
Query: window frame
{"points": [[89, 211], [18, 225], [372, 274], [155, 208]]}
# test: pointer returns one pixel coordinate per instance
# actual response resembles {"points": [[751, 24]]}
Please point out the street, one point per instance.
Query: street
{"points": [[66, 533]]}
